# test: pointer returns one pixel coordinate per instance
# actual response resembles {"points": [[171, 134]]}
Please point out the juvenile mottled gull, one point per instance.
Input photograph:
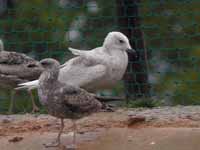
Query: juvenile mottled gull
{"points": [[17, 68], [63, 100], [96, 69]]}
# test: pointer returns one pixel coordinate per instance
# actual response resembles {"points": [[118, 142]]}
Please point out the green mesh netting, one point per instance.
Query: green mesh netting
{"points": [[171, 34]]}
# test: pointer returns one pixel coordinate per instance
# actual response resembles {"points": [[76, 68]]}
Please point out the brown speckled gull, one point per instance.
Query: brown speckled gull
{"points": [[17, 68], [63, 100]]}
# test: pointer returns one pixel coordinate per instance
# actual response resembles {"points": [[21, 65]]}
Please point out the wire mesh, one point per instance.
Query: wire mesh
{"points": [[171, 34]]}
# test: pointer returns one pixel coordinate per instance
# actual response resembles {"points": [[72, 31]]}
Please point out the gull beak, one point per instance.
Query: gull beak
{"points": [[132, 51]]}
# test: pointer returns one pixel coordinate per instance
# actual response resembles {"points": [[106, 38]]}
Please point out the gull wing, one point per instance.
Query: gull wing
{"points": [[79, 101], [14, 58], [80, 72], [95, 53], [77, 51]]}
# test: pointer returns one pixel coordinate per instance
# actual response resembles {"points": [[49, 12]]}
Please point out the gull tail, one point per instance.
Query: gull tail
{"points": [[107, 108], [1, 45], [28, 85], [76, 51]]}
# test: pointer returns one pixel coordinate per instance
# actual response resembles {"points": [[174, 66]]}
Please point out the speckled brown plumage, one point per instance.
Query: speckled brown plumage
{"points": [[14, 58], [17, 68], [62, 100]]}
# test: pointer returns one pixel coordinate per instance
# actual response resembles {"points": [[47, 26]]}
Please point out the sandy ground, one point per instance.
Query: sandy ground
{"points": [[164, 128]]}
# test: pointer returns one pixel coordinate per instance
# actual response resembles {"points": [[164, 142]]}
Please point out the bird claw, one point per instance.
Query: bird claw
{"points": [[52, 144], [71, 147]]}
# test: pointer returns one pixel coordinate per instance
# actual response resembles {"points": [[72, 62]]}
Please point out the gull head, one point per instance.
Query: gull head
{"points": [[117, 41], [49, 64], [51, 70]]}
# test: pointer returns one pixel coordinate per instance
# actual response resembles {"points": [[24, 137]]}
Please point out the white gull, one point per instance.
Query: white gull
{"points": [[96, 69]]}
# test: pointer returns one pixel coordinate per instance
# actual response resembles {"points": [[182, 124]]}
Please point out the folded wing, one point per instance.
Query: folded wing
{"points": [[80, 101], [81, 72]]}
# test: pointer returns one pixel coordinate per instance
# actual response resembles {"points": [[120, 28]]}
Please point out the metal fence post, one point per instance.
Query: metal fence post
{"points": [[136, 77]]}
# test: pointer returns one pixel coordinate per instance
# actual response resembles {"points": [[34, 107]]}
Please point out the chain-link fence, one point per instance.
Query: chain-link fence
{"points": [[165, 34]]}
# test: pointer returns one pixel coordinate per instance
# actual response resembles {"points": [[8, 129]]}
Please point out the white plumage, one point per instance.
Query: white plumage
{"points": [[95, 69]]}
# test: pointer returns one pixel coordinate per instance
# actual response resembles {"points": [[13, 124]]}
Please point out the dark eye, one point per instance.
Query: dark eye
{"points": [[121, 41]]}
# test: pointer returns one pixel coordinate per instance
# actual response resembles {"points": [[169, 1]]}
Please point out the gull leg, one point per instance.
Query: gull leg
{"points": [[74, 135], [35, 107], [12, 101], [57, 142], [73, 146]]}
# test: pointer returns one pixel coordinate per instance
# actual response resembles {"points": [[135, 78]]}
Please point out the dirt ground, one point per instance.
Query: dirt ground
{"points": [[163, 128]]}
